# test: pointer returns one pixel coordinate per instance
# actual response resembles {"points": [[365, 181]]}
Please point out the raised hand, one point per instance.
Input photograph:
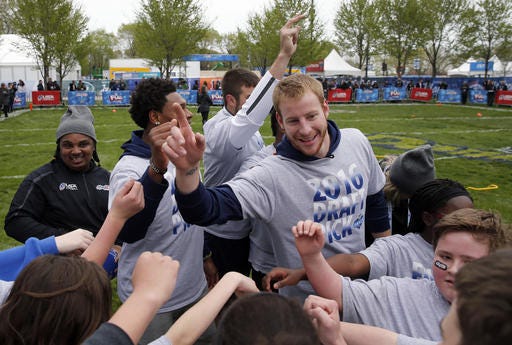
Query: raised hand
{"points": [[156, 138], [289, 35], [128, 201], [309, 237], [183, 147], [147, 276], [325, 316], [76, 240]]}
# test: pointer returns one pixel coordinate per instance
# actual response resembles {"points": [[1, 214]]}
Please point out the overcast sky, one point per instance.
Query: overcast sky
{"points": [[224, 15]]}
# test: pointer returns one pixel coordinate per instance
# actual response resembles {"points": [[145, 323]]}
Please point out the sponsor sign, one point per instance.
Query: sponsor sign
{"points": [[394, 94], [504, 97], [116, 97], [420, 94], [449, 96], [367, 95], [46, 97], [81, 98], [20, 100], [478, 96], [339, 95]]}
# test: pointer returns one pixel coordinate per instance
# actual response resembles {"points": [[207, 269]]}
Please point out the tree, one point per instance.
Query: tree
{"points": [[260, 43], [126, 39], [167, 30], [45, 24], [66, 46], [402, 28], [357, 24], [95, 51], [445, 18], [490, 28]]}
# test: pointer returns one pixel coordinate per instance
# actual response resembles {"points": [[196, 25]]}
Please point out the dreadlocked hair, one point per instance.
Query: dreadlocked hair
{"points": [[431, 197], [391, 192]]}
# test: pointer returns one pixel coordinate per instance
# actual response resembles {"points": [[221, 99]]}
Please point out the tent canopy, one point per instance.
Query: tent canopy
{"points": [[335, 65], [498, 69]]}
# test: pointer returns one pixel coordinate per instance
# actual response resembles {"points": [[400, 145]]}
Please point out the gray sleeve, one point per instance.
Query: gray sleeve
{"points": [[5, 289], [405, 340], [161, 341], [377, 254]]}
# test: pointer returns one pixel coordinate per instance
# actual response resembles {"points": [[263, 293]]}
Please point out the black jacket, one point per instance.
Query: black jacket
{"points": [[53, 200]]}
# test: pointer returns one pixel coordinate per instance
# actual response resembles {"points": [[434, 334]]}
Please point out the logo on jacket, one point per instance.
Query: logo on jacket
{"points": [[68, 186], [103, 187]]}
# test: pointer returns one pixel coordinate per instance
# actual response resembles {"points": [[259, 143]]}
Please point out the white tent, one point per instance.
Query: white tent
{"points": [[498, 69], [463, 70], [335, 65], [17, 64]]}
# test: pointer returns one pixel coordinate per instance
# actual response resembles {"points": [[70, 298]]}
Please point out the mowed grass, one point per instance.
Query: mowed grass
{"points": [[474, 150]]}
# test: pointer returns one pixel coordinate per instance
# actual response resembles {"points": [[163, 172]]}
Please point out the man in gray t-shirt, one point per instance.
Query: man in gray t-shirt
{"points": [[320, 172]]}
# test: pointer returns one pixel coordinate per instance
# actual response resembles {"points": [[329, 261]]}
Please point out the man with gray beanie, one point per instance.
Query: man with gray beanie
{"points": [[70, 192]]}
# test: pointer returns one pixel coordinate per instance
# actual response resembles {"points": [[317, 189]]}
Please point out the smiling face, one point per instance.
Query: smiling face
{"points": [[304, 120], [76, 151], [455, 249]]}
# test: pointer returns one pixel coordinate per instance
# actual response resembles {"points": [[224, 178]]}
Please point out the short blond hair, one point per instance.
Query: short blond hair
{"points": [[295, 86]]}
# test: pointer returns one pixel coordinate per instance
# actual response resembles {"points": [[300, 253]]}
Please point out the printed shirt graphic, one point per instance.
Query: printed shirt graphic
{"points": [[332, 191]]}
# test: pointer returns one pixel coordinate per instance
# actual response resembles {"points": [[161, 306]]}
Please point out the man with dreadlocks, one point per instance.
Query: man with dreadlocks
{"points": [[68, 193], [408, 255]]}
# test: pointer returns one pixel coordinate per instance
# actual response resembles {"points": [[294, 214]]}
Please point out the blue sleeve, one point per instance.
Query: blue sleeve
{"points": [[136, 227], [13, 260], [376, 217], [207, 206]]}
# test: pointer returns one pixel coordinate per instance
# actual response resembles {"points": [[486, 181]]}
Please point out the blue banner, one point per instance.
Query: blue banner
{"points": [[81, 98], [479, 66], [216, 96], [20, 100], [116, 97], [449, 96], [190, 96], [478, 96], [211, 57], [367, 95], [394, 94]]}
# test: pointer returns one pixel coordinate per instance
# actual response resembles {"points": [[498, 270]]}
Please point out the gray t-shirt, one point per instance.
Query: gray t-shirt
{"points": [[168, 234], [5, 289], [412, 307], [407, 256], [331, 191], [230, 140], [261, 251]]}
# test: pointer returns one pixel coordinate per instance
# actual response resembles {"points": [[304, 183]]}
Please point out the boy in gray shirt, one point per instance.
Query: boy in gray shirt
{"points": [[410, 307]]}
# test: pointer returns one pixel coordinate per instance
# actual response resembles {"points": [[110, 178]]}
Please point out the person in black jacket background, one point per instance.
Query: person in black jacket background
{"points": [[68, 193], [204, 101]]}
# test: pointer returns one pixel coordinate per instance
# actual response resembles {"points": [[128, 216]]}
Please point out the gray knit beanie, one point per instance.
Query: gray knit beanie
{"points": [[77, 119], [412, 169]]}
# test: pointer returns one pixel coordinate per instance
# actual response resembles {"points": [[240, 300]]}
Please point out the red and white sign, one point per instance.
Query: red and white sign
{"points": [[420, 94], [339, 95], [504, 97], [315, 67], [46, 97]]}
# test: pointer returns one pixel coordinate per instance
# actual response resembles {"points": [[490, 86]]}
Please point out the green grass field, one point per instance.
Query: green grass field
{"points": [[474, 150]]}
